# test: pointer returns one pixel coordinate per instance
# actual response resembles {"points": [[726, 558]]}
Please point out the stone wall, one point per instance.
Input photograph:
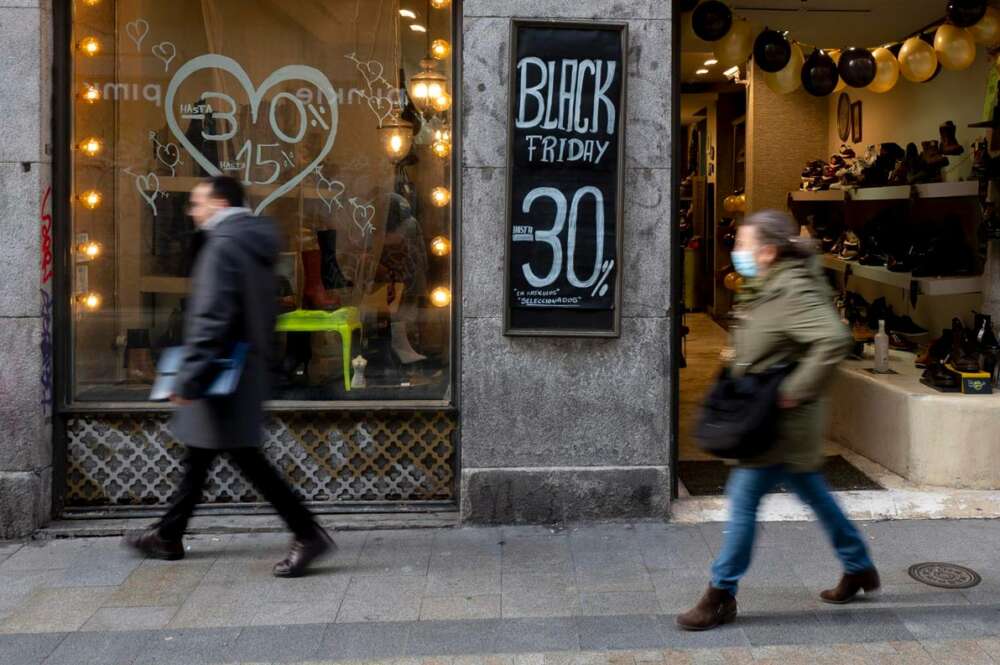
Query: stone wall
{"points": [[558, 430], [26, 262]]}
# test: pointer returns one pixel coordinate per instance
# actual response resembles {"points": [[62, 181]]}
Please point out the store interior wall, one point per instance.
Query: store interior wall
{"points": [[783, 133]]}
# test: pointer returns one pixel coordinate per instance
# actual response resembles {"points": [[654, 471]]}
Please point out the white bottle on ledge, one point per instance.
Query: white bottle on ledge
{"points": [[881, 350]]}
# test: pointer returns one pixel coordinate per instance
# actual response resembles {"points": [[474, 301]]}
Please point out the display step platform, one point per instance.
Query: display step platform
{"points": [[925, 436]]}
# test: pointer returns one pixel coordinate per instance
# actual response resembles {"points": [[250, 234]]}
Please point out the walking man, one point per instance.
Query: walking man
{"points": [[233, 300]]}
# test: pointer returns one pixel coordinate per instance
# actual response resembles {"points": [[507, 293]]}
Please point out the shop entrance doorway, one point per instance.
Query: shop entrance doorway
{"points": [[872, 171]]}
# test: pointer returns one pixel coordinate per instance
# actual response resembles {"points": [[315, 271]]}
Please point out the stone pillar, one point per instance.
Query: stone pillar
{"points": [[26, 264], [566, 429]]}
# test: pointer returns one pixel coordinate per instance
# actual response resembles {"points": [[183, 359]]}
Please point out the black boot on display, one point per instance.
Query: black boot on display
{"points": [[963, 357], [332, 276], [985, 337]]}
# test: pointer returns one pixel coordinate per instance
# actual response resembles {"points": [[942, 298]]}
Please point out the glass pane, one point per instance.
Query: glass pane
{"points": [[336, 116]]}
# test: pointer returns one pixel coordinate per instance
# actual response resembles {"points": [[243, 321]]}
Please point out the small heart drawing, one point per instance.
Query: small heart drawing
{"points": [[166, 52], [255, 97], [372, 71], [363, 215], [148, 183], [381, 107], [169, 155], [329, 192], [137, 31]]}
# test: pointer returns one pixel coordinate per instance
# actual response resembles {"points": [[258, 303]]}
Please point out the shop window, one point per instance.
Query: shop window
{"points": [[336, 115]]}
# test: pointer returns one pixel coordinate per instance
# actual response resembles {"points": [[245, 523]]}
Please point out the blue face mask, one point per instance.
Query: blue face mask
{"points": [[744, 263]]}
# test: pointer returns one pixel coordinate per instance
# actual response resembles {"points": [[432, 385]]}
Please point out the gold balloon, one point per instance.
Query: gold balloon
{"points": [[887, 72], [841, 83], [741, 203], [788, 79], [955, 47], [987, 31], [733, 281], [735, 47], [917, 60], [729, 204]]}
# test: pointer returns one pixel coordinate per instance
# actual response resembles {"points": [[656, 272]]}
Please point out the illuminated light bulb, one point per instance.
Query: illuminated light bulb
{"points": [[91, 199], [440, 4], [91, 147], [91, 250], [407, 13], [440, 49], [397, 136], [92, 301], [441, 297], [442, 102], [441, 148], [91, 94], [440, 196], [440, 246], [90, 46], [91, 3], [701, 72], [710, 62], [416, 27], [427, 85]]}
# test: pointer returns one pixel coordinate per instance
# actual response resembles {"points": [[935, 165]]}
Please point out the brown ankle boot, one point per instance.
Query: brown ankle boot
{"points": [[849, 586], [715, 608]]}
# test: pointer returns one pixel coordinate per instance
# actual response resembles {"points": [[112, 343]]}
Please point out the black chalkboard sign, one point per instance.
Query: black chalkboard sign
{"points": [[565, 168]]}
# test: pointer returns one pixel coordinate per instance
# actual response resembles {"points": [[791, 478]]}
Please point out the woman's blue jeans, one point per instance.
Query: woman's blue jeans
{"points": [[746, 487]]}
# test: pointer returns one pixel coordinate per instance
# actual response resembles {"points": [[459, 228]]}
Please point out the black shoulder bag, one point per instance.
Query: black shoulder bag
{"points": [[738, 419]]}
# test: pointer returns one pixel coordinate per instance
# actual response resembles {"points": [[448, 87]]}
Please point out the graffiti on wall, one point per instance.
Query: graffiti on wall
{"points": [[46, 300]]}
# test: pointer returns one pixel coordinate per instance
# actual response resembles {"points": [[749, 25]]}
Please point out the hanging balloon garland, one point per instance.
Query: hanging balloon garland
{"points": [[949, 44]]}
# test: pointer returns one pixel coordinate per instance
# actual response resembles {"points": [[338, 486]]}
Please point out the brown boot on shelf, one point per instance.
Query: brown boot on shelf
{"points": [[715, 608], [950, 144], [849, 586], [314, 296]]}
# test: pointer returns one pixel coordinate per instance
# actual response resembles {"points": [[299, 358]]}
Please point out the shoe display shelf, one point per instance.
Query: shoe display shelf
{"points": [[934, 190], [927, 286], [926, 436]]}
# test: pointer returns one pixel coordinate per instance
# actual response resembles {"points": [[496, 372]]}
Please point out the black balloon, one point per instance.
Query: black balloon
{"points": [[712, 20], [771, 51], [688, 5], [819, 74], [857, 67], [965, 13]]}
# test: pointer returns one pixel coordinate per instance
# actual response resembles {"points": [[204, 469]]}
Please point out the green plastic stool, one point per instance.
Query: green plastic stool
{"points": [[344, 321]]}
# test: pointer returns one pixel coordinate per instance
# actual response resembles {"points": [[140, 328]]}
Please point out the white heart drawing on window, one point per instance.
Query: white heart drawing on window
{"points": [[256, 96], [137, 31], [166, 52], [329, 191]]}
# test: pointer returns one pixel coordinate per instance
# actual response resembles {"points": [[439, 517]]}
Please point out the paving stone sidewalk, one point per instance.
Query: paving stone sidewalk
{"points": [[512, 596]]}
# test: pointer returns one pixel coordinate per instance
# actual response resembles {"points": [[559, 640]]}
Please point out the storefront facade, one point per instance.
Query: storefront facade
{"points": [[376, 135]]}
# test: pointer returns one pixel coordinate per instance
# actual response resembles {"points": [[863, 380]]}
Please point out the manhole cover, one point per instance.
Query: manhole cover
{"points": [[945, 575]]}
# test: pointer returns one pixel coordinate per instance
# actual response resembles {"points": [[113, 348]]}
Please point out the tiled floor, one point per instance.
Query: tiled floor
{"points": [[605, 593]]}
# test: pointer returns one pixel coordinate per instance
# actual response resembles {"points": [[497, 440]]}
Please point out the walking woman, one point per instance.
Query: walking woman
{"points": [[785, 315]]}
